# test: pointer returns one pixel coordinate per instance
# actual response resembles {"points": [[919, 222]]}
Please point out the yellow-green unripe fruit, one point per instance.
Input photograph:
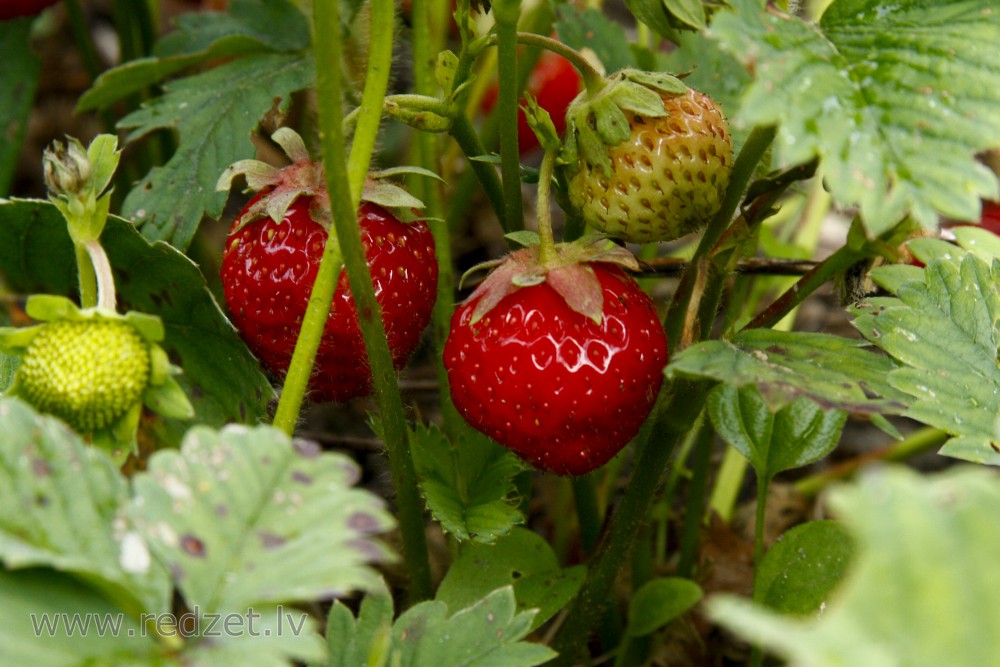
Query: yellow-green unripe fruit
{"points": [[87, 372], [667, 180]]}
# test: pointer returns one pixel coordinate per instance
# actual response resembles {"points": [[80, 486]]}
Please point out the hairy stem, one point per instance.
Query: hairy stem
{"points": [[465, 136], [345, 182], [546, 240], [842, 259], [425, 50], [507, 13], [87, 277], [918, 442], [763, 484]]}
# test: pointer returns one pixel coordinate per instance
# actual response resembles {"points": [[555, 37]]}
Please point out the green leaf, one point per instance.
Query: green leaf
{"points": [[689, 12], [469, 487], [277, 25], [798, 434], [19, 70], [353, 643], [222, 377], [53, 620], [214, 113], [654, 14], [523, 559], [658, 602], [252, 26], [61, 506], [920, 591], [486, 634], [595, 30], [894, 96], [833, 371], [245, 516], [255, 637], [944, 332], [801, 570], [712, 71]]}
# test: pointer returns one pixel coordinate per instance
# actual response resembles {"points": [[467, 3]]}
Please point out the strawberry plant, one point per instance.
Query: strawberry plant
{"points": [[684, 353]]}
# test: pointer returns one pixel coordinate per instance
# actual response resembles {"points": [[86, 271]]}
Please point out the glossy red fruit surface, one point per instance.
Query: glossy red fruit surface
{"points": [[563, 392], [991, 217], [268, 270], [554, 83], [10, 9]]}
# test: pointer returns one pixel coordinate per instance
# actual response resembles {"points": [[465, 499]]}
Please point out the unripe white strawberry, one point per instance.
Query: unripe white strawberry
{"points": [[662, 169]]}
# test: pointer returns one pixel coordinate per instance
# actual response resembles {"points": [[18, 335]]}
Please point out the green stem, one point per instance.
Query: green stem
{"points": [[918, 442], [593, 79], [588, 511], [671, 421], [465, 135], [728, 482], [753, 150], [756, 655], [842, 259], [546, 239], [348, 180], [82, 39], [87, 276], [425, 50], [695, 511], [507, 13]]}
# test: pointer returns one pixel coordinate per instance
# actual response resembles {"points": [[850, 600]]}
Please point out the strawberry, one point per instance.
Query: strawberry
{"points": [[10, 9], [554, 83], [649, 158], [88, 373], [561, 364], [94, 368], [272, 256]]}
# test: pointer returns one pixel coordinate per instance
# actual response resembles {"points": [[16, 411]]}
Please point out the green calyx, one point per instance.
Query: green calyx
{"points": [[567, 271], [305, 178], [595, 122], [95, 369]]}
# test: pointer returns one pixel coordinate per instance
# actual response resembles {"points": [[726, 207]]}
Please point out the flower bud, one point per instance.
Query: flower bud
{"points": [[67, 167]]}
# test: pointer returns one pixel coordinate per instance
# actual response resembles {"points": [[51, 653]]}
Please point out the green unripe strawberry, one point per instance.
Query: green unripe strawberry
{"points": [[650, 158], [95, 368], [87, 372]]}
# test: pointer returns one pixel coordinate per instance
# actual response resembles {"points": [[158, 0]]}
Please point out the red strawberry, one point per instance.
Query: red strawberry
{"points": [[554, 83], [564, 390], [269, 267], [13, 8]]}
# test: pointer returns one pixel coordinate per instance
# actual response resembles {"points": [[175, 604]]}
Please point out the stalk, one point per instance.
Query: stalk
{"points": [[507, 13], [346, 242], [425, 49], [672, 419], [546, 239], [465, 136], [87, 276]]}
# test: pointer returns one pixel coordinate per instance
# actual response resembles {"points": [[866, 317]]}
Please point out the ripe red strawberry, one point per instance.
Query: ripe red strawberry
{"points": [[564, 390], [554, 83], [13, 8], [269, 267], [649, 158]]}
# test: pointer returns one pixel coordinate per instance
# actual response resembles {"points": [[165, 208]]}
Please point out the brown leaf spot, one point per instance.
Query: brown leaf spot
{"points": [[270, 540], [193, 546]]}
